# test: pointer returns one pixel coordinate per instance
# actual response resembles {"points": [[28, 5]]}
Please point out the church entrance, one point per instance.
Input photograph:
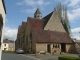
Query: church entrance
{"points": [[63, 47]]}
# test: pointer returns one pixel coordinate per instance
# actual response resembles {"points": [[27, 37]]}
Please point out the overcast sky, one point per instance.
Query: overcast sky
{"points": [[19, 10]]}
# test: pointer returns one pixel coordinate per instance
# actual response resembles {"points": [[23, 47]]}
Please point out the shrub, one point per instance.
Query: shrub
{"points": [[68, 58]]}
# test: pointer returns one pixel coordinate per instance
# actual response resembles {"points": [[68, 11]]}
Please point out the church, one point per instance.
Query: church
{"points": [[44, 34]]}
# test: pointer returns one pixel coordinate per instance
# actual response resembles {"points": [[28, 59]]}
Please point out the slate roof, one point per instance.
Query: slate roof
{"points": [[46, 36], [37, 11], [36, 23], [8, 41]]}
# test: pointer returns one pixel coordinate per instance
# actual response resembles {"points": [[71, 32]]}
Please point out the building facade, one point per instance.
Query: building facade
{"points": [[44, 34], [2, 22], [77, 45], [8, 45]]}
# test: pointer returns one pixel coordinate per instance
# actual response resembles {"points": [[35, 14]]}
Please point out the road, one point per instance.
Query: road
{"points": [[13, 56]]}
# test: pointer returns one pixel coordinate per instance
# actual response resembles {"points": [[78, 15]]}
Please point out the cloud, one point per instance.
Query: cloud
{"points": [[29, 10], [77, 36], [33, 3], [73, 9], [71, 3], [74, 14], [74, 3], [76, 30], [10, 33], [75, 33]]}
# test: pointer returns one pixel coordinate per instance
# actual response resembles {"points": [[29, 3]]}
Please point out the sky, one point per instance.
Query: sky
{"points": [[19, 10]]}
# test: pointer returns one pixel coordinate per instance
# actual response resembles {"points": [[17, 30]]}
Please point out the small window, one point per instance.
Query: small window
{"points": [[4, 44], [38, 16]]}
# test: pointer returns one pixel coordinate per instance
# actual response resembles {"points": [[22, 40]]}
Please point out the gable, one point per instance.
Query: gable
{"points": [[54, 23], [46, 18]]}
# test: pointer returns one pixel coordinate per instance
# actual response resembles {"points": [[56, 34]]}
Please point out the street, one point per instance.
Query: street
{"points": [[13, 56]]}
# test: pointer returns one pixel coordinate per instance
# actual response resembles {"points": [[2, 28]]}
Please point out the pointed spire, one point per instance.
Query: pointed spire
{"points": [[38, 14], [37, 11]]}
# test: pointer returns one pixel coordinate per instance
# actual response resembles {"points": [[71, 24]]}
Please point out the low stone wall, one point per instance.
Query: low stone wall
{"points": [[41, 47]]}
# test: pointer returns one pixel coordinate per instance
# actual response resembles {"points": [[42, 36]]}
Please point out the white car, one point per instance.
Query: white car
{"points": [[20, 51]]}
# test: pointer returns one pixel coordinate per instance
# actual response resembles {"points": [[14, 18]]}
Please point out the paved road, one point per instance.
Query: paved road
{"points": [[53, 57], [13, 56]]}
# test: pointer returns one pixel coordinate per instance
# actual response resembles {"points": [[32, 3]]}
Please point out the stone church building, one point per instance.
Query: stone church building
{"points": [[43, 34]]}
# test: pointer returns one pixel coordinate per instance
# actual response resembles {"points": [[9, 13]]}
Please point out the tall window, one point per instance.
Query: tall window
{"points": [[23, 38], [30, 36], [26, 40]]}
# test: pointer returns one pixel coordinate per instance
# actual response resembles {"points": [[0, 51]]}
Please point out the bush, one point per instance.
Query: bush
{"points": [[68, 58]]}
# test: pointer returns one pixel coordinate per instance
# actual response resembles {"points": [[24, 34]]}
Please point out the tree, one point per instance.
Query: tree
{"points": [[62, 13]]}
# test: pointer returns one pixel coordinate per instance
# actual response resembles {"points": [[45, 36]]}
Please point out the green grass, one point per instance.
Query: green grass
{"points": [[8, 51]]}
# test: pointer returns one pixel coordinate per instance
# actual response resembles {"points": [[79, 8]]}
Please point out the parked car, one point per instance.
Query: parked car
{"points": [[20, 51], [79, 54]]}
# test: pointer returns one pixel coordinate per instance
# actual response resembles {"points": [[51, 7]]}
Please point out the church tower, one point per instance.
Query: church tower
{"points": [[38, 14]]}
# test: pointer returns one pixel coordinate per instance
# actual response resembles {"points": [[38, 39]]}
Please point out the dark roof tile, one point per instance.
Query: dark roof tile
{"points": [[36, 23], [47, 36]]}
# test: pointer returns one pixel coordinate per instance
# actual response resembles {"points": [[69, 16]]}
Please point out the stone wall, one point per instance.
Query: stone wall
{"points": [[77, 47], [41, 47], [70, 48]]}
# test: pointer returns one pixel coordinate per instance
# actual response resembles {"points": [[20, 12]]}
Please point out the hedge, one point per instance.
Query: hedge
{"points": [[68, 58]]}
